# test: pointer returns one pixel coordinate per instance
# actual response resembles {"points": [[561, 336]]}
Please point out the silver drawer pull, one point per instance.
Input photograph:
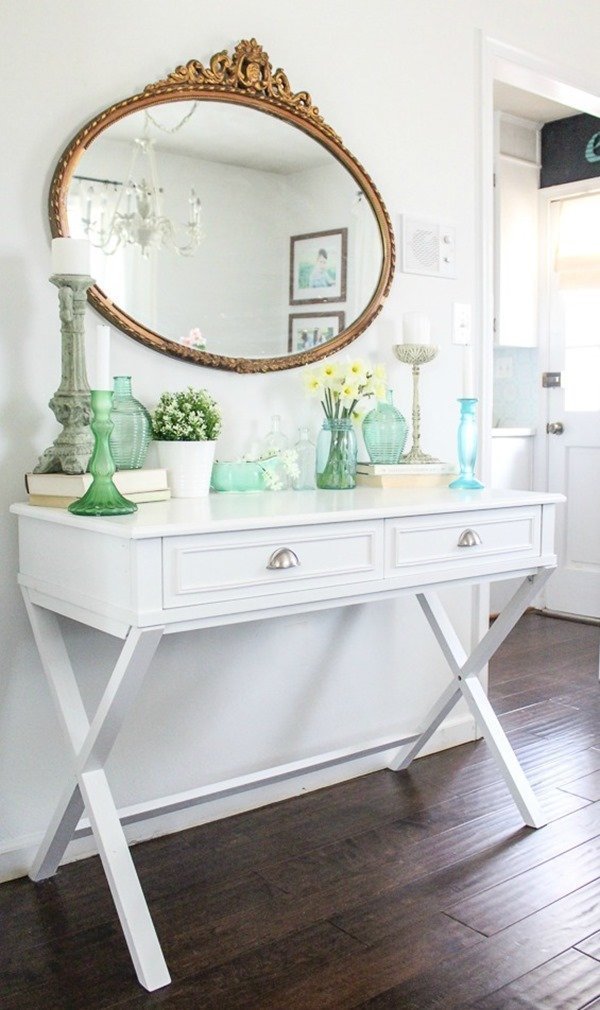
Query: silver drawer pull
{"points": [[284, 557], [469, 538]]}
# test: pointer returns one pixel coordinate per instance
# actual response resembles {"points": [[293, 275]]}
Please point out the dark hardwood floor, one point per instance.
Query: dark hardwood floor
{"points": [[413, 890]]}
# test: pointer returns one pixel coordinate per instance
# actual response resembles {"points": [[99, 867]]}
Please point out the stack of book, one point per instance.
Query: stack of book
{"points": [[58, 490], [404, 474]]}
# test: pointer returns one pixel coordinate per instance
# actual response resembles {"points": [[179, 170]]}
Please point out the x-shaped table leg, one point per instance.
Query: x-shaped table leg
{"points": [[89, 745], [467, 685]]}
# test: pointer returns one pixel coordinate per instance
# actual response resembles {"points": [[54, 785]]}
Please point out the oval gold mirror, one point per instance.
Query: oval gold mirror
{"points": [[229, 225]]}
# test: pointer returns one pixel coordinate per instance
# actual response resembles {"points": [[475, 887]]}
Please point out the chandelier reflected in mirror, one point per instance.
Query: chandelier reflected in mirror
{"points": [[114, 214]]}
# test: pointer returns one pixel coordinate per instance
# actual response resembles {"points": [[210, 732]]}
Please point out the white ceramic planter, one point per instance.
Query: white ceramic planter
{"points": [[188, 466]]}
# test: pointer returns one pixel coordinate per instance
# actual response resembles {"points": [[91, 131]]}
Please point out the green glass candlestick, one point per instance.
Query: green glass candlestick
{"points": [[102, 497]]}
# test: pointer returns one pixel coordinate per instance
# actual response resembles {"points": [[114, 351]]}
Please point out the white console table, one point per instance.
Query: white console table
{"points": [[191, 564]]}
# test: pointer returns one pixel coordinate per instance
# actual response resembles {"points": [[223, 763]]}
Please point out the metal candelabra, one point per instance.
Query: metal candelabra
{"points": [[416, 355]]}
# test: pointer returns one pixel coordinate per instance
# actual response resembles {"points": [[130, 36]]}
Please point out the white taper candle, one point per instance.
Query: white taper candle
{"points": [[101, 378], [468, 385]]}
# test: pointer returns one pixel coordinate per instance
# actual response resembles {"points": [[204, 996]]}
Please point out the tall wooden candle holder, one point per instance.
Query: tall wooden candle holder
{"points": [[71, 405]]}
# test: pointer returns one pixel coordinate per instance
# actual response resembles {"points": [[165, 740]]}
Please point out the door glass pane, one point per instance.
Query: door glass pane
{"points": [[581, 317], [582, 378], [581, 308]]}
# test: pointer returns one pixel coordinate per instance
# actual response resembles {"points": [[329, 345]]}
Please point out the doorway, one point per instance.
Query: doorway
{"points": [[572, 217], [537, 81]]}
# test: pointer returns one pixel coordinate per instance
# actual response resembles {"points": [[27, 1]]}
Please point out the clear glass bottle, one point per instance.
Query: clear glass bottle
{"points": [[272, 447], [305, 460], [132, 427], [384, 431], [275, 441]]}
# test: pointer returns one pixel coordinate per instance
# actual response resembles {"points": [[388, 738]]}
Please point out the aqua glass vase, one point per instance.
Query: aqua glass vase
{"points": [[467, 446], [102, 497], [132, 427], [384, 431], [336, 455]]}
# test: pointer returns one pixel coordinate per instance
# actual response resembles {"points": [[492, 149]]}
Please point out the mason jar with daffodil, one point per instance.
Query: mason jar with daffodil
{"points": [[341, 386]]}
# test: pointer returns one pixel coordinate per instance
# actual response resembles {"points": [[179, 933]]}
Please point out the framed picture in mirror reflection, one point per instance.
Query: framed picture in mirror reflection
{"points": [[318, 266], [310, 329]]}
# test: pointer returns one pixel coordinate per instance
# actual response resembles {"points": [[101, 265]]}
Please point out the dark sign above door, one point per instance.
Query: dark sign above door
{"points": [[570, 150]]}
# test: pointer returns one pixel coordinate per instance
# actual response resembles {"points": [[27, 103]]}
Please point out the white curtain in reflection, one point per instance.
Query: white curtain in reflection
{"points": [[128, 277], [364, 255]]}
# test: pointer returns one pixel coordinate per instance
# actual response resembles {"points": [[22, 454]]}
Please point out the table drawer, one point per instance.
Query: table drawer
{"points": [[443, 541], [230, 566]]}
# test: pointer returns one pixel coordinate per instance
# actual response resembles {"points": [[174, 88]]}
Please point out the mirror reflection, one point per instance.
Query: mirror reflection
{"points": [[225, 229]]}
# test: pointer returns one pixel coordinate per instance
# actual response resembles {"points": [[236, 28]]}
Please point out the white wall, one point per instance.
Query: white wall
{"points": [[398, 80]]}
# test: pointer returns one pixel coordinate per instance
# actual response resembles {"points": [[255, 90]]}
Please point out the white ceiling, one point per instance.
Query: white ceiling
{"points": [[226, 133], [527, 105]]}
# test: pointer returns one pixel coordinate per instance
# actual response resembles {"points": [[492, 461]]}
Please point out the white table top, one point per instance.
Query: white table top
{"points": [[269, 509]]}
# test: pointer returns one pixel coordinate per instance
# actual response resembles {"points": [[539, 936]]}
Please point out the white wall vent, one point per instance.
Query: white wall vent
{"points": [[427, 247]]}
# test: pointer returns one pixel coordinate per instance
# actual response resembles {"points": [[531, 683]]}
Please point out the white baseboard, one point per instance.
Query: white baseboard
{"points": [[16, 855]]}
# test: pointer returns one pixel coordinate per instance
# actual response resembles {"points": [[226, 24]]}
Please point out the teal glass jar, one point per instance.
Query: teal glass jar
{"points": [[384, 431], [132, 427], [245, 476], [336, 455]]}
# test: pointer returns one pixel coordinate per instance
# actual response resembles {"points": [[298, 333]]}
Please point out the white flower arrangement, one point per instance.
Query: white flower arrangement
{"points": [[187, 416], [278, 469], [341, 385]]}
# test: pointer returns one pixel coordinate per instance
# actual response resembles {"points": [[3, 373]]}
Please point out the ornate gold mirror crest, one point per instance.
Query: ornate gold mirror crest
{"points": [[288, 251]]}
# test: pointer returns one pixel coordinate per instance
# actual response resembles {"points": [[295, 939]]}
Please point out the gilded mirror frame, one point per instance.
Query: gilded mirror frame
{"points": [[244, 78]]}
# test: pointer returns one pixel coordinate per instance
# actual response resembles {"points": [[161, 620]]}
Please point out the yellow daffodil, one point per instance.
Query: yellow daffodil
{"points": [[342, 385], [313, 384], [350, 391], [329, 372], [357, 370]]}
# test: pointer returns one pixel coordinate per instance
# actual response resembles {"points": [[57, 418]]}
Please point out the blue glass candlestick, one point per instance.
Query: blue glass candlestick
{"points": [[102, 497], [467, 445]]}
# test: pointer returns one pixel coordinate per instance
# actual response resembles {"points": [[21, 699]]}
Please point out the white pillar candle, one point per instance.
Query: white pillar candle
{"points": [[70, 256], [416, 328], [101, 377], [468, 385]]}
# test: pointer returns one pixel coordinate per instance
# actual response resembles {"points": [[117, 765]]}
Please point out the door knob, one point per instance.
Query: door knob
{"points": [[555, 428]]}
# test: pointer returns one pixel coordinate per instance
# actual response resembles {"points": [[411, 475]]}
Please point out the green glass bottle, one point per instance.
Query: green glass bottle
{"points": [[384, 431], [132, 427]]}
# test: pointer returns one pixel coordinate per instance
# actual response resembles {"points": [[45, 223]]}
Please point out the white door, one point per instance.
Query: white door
{"points": [[573, 410]]}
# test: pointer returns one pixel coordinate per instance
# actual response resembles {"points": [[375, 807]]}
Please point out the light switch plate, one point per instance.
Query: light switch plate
{"points": [[461, 323]]}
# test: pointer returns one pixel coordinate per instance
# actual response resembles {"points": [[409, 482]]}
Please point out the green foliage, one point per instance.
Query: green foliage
{"points": [[188, 416]]}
